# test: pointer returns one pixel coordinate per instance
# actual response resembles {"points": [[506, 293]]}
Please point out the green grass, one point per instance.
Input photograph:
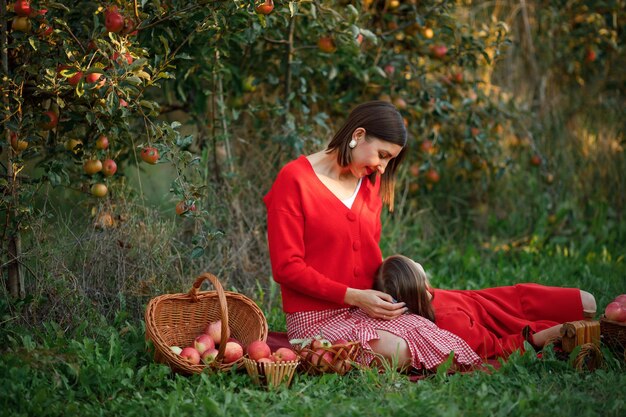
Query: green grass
{"points": [[101, 368]]}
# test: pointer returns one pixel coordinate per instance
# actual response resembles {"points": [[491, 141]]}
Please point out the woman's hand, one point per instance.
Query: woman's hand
{"points": [[376, 304]]}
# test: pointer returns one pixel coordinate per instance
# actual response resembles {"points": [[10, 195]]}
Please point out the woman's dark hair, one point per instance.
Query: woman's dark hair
{"points": [[401, 278], [381, 120]]}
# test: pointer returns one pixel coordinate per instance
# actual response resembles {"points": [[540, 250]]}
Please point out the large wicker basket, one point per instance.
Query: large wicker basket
{"points": [[176, 320]]}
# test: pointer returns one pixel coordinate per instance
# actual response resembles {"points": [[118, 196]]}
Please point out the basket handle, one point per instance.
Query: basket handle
{"points": [[193, 293]]}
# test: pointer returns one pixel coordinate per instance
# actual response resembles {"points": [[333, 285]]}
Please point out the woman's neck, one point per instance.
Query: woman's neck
{"points": [[326, 164]]}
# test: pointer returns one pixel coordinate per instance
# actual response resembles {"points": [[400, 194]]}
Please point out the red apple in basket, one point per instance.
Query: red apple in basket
{"points": [[621, 299], [191, 355], [232, 352], [320, 343], [342, 346], [258, 350], [284, 354], [203, 342], [615, 311], [214, 330], [209, 355], [321, 358], [265, 360], [176, 349]]}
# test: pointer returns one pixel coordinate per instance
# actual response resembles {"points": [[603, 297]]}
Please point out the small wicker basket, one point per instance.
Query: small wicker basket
{"points": [[340, 359], [176, 320], [271, 374], [613, 333]]}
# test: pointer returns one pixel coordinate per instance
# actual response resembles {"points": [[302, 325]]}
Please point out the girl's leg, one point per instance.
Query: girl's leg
{"points": [[393, 348], [542, 337]]}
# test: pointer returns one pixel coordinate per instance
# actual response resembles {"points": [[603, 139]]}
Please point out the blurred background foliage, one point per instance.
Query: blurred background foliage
{"points": [[515, 113]]}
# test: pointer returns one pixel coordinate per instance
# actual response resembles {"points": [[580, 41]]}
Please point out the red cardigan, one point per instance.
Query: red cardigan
{"points": [[318, 246], [491, 320]]}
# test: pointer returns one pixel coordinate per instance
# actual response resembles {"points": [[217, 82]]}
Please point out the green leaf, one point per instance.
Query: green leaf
{"points": [[197, 252]]}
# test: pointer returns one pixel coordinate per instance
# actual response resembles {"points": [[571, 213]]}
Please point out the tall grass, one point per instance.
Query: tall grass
{"points": [[105, 367]]}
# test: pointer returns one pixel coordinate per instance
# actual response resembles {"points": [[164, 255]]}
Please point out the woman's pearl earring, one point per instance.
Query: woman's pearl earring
{"points": [[352, 144]]}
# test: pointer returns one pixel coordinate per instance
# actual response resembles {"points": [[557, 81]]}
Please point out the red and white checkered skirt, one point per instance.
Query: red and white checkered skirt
{"points": [[429, 345]]}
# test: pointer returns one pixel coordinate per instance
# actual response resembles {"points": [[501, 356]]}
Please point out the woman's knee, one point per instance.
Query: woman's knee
{"points": [[589, 301], [393, 348]]}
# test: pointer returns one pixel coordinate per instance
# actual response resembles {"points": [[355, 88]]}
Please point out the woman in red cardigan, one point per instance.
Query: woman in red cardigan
{"points": [[493, 321], [323, 219]]}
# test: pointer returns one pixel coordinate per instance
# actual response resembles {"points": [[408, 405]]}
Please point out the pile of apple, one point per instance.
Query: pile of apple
{"points": [[328, 356], [205, 346], [261, 352], [616, 310]]}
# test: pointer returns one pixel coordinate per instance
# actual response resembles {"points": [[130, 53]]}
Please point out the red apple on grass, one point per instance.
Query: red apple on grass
{"points": [[191, 355], [258, 350], [203, 342]]}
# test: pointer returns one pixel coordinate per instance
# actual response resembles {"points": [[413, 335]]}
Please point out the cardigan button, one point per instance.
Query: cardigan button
{"points": [[351, 216], [356, 245]]}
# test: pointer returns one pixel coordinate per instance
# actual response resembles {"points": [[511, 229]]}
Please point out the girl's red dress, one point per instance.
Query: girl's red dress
{"points": [[492, 320]]}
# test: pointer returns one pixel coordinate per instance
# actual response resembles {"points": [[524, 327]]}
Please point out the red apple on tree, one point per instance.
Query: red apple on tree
{"points": [[17, 144], [183, 207], [109, 167], [22, 8], [95, 77], [102, 142], [326, 44], [265, 7], [99, 190], [150, 155], [91, 166], [51, 119], [535, 160], [432, 176], [75, 79], [438, 51], [113, 20]]}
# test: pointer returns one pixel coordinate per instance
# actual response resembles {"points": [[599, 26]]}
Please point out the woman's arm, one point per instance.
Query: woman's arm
{"points": [[376, 304]]}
